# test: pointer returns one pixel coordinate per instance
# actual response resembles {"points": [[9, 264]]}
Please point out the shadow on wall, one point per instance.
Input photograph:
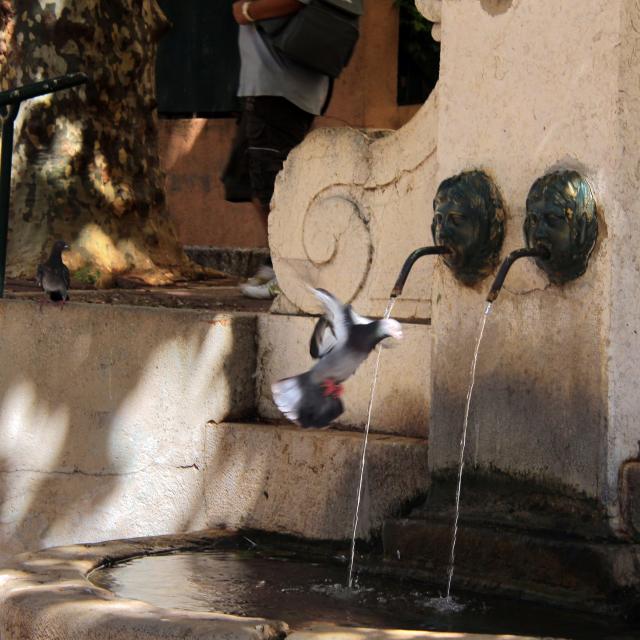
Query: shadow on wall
{"points": [[193, 154], [88, 155], [111, 426], [103, 418]]}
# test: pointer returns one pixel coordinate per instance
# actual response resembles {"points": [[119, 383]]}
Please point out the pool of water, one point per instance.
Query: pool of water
{"points": [[302, 592]]}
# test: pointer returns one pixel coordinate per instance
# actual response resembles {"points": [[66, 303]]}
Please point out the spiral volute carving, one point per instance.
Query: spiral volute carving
{"points": [[336, 251]]}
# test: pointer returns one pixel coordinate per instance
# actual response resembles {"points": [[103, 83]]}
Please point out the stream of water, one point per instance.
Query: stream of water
{"points": [[387, 313], [463, 440]]}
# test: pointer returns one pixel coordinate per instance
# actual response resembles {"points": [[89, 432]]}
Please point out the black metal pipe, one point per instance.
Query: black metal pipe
{"points": [[408, 264], [536, 252], [35, 89], [8, 118], [10, 102]]}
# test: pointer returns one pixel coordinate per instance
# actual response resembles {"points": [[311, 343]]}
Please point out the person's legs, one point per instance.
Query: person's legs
{"points": [[235, 176], [273, 127], [237, 188]]}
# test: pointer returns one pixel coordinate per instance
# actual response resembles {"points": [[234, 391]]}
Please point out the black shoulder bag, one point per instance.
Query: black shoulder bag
{"points": [[321, 36]]}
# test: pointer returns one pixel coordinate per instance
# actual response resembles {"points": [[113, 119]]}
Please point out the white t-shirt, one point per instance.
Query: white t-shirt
{"points": [[264, 72]]}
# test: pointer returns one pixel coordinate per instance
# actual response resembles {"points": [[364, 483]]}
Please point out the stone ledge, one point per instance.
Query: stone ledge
{"points": [[304, 482], [237, 261], [46, 596], [104, 411], [331, 632]]}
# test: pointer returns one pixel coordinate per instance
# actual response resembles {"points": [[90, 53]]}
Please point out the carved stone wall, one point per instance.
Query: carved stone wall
{"points": [[348, 208], [527, 88]]}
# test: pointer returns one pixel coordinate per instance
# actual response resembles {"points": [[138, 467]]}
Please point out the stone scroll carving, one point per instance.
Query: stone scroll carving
{"points": [[348, 207], [336, 240], [319, 225]]}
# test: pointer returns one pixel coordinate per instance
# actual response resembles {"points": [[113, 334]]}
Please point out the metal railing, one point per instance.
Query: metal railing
{"points": [[10, 102]]}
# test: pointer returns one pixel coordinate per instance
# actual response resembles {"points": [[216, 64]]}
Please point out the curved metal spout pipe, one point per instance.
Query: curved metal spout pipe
{"points": [[536, 252], [408, 264]]}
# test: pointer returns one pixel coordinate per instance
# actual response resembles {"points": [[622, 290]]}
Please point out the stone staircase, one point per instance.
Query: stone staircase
{"points": [[121, 421]]}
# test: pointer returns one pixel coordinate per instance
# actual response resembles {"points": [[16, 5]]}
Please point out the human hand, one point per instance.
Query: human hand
{"points": [[237, 12]]}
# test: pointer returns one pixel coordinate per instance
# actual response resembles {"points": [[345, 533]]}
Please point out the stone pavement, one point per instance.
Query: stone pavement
{"points": [[217, 294]]}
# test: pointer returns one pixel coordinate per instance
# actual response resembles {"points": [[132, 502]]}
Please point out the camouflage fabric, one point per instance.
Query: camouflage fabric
{"points": [[85, 164]]}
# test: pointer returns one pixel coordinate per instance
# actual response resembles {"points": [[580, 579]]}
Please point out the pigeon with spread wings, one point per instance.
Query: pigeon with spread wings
{"points": [[341, 342]]}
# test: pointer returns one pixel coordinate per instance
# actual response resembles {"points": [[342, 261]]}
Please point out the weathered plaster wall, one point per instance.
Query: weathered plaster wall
{"points": [[349, 208], [525, 88], [103, 418], [623, 224], [193, 155], [113, 425], [538, 86]]}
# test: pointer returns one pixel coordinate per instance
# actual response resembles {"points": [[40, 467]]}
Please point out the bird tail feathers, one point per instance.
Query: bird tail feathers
{"points": [[304, 402]]}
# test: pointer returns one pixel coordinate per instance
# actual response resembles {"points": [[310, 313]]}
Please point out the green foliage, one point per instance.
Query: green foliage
{"points": [[417, 41], [87, 275], [418, 54], [412, 17]]}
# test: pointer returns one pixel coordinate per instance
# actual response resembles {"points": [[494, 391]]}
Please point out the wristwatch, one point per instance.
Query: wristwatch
{"points": [[245, 12]]}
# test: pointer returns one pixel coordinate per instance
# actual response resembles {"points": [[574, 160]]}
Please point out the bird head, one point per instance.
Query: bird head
{"points": [[391, 328], [60, 245]]}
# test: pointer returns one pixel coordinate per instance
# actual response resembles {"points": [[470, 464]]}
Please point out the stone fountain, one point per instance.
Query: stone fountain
{"points": [[526, 89], [551, 493]]}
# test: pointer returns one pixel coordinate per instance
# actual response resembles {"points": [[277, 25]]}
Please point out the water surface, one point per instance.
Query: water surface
{"points": [[301, 593]]}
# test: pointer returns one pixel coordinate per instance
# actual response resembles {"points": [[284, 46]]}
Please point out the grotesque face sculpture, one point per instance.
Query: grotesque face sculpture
{"points": [[561, 217], [468, 219]]}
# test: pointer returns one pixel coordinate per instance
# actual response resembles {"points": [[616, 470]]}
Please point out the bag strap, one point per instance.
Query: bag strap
{"points": [[354, 7], [327, 100]]}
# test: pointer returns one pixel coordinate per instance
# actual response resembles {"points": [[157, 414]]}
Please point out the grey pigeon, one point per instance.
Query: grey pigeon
{"points": [[340, 343], [53, 275]]}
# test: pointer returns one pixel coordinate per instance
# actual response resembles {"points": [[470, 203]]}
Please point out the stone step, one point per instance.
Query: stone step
{"points": [[304, 482], [115, 423], [237, 261]]}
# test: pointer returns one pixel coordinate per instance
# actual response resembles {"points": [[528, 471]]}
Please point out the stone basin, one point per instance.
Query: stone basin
{"points": [[47, 595]]}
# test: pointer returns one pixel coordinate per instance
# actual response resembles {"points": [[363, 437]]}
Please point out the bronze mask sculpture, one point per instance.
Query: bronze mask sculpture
{"points": [[561, 217], [469, 220]]}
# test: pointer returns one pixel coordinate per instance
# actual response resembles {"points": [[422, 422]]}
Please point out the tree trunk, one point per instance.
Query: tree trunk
{"points": [[85, 163]]}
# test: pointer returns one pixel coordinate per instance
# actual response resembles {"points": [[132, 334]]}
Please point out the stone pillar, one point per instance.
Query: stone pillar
{"points": [[528, 87]]}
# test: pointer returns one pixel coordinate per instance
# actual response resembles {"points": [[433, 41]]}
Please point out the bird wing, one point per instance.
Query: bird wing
{"points": [[323, 339], [65, 276], [357, 319], [387, 343], [335, 314]]}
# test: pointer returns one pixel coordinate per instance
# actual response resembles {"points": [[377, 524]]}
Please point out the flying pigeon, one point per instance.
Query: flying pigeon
{"points": [[53, 275], [341, 342]]}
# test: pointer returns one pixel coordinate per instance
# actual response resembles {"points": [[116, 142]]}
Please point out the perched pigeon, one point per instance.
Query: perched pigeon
{"points": [[53, 275], [341, 342]]}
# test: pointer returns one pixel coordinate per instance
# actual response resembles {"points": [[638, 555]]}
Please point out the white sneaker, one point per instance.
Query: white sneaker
{"points": [[264, 291], [262, 275]]}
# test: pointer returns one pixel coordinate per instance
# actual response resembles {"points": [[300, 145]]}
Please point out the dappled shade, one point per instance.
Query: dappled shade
{"points": [[85, 163]]}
